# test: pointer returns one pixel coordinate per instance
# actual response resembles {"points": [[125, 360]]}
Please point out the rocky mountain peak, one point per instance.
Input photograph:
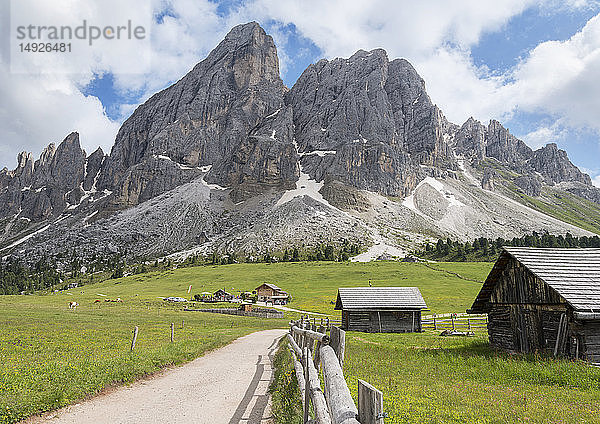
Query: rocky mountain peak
{"points": [[554, 165], [504, 146], [198, 122], [471, 139], [41, 189], [252, 55], [24, 159]]}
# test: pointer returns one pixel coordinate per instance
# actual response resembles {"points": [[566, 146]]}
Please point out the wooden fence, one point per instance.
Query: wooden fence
{"points": [[454, 322], [312, 348], [231, 311]]}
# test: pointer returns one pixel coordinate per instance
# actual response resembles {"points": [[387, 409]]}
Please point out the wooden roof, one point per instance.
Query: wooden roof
{"points": [[269, 285], [573, 273], [361, 298]]}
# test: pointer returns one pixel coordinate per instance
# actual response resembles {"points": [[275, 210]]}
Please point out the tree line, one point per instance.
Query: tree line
{"points": [[322, 252], [485, 249], [17, 276]]}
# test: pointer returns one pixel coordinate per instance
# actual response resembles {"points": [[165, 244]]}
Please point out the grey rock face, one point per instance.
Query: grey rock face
{"points": [[530, 184], [58, 180], [487, 182], [265, 160], [554, 165], [504, 146], [478, 142], [471, 139], [377, 118], [92, 169], [201, 120], [588, 192], [344, 197]]}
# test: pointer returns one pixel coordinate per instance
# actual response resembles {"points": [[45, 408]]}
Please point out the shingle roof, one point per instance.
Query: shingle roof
{"points": [[272, 286], [573, 273], [379, 298]]}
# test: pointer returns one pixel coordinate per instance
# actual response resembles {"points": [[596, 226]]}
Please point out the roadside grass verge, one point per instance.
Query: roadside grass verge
{"points": [[426, 378], [285, 394]]}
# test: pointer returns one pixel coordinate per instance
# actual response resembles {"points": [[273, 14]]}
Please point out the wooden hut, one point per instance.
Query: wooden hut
{"points": [[544, 300], [380, 309], [268, 292], [222, 295]]}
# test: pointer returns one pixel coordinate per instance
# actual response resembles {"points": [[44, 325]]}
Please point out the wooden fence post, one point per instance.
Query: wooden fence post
{"points": [[306, 380], [317, 360], [338, 343], [172, 332], [452, 316], [135, 334], [434, 323], [370, 404]]}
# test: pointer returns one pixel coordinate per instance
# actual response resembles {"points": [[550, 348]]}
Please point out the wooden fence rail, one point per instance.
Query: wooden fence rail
{"points": [[311, 347], [455, 322]]}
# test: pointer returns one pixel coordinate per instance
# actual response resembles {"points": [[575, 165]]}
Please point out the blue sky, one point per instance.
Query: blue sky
{"points": [[530, 64]]}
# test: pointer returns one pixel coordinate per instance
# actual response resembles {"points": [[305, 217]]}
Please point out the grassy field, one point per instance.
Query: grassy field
{"points": [[51, 356], [431, 379], [313, 285]]}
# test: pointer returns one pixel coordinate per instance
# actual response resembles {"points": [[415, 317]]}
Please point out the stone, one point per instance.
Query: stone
{"points": [[530, 184]]}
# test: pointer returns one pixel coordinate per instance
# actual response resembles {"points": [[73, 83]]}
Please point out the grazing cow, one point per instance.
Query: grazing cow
{"points": [[73, 305]]}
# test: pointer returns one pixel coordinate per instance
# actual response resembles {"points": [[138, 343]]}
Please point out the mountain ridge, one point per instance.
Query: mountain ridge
{"points": [[347, 133]]}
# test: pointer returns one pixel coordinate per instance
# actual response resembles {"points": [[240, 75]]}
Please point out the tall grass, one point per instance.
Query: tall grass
{"points": [[285, 394]]}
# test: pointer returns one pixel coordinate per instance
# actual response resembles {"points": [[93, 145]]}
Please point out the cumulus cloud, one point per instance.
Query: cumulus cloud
{"points": [[35, 111], [542, 136], [557, 77], [405, 28], [561, 77], [43, 107]]}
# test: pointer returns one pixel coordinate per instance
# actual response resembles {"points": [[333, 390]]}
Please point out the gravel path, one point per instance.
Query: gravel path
{"points": [[228, 386]]}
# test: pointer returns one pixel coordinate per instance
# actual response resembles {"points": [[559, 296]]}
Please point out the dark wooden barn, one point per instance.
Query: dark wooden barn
{"points": [[545, 301], [381, 309]]}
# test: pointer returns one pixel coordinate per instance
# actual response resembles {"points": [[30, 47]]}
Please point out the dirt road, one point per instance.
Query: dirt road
{"points": [[226, 386]]}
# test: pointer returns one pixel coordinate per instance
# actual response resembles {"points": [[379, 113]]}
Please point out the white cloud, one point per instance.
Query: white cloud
{"points": [[404, 28], [35, 111], [561, 78], [596, 181], [462, 89], [542, 136]]}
